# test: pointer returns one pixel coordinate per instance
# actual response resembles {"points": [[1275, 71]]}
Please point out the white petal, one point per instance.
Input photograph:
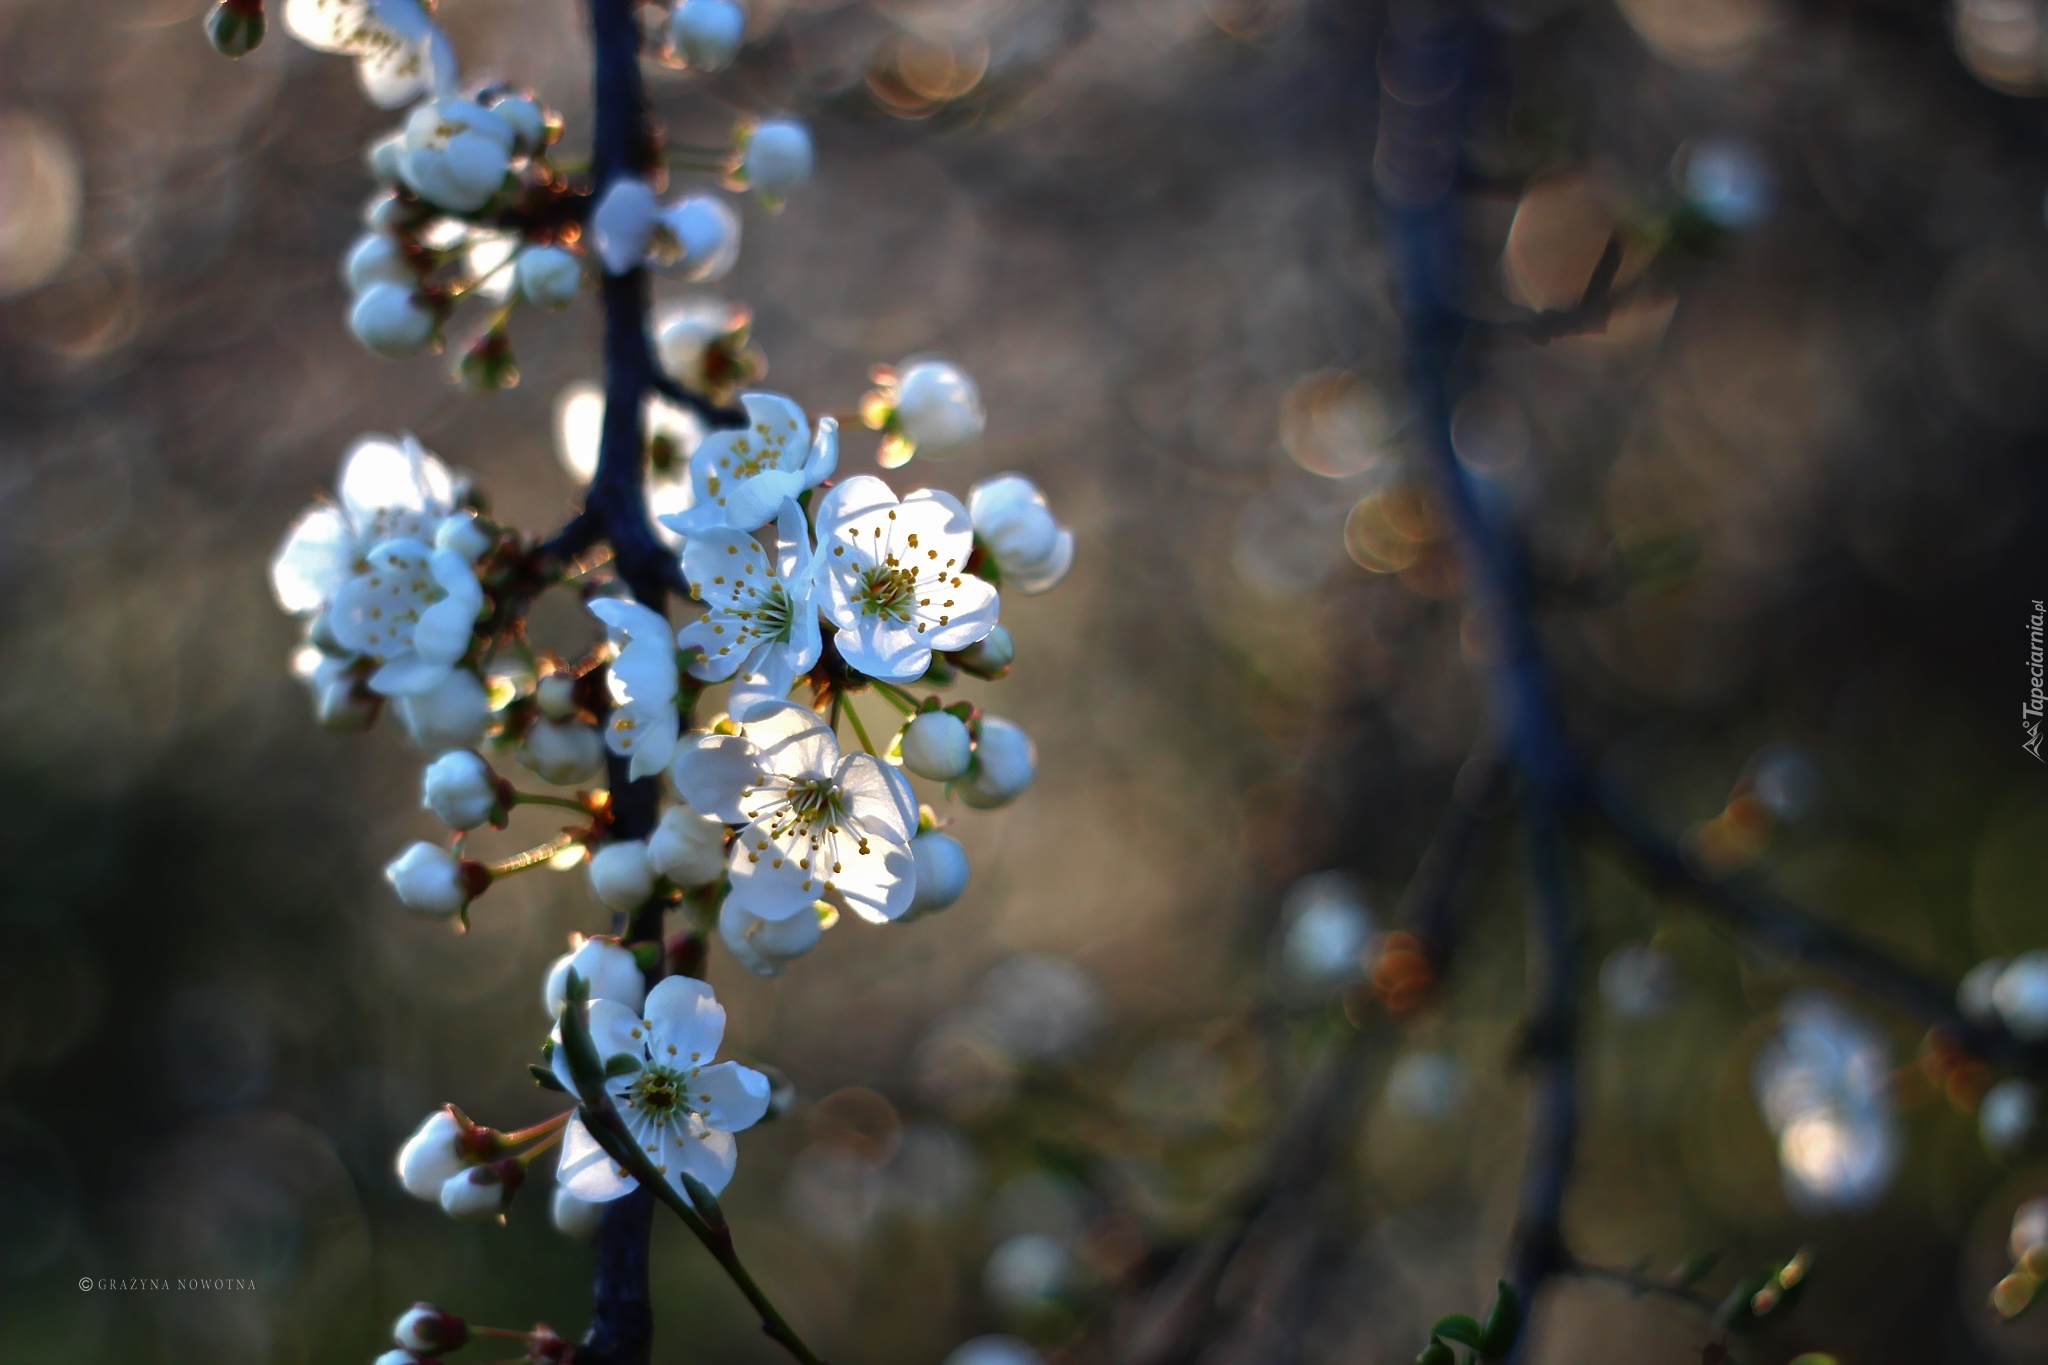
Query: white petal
{"points": [[687, 1021], [729, 1096], [755, 501], [875, 801], [586, 1172], [1045, 576], [877, 885], [971, 610], [318, 556], [712, 771], [714, 638], [856, 497], [890, 650], [408, 675], [793, 555], [709, 1158], [726, 571], [442, 636], [631, 619], [793, 740], [824, 456], [769, 881]]}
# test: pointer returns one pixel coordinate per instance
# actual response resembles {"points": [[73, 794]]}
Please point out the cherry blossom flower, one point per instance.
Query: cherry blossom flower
{"points": [[687, 848], [456, 153], [391, 488], [399, 52], [643, 724], [896, 584], [776, 160], [623, 224], [392, 321], [453, 714], [706, 34], [1014, 521], [697, 237], [677, 1104], [759, 615], [461, 789], [548, 276], [817, 825], [620, 875], [743, 475], [412, 610]]}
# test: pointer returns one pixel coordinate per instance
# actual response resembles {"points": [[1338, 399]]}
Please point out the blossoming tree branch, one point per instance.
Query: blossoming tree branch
{"points": [[809, 598]]}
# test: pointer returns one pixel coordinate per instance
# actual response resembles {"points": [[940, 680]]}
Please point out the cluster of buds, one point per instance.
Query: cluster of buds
{"points": [[471, 1171], [423, 1334]]}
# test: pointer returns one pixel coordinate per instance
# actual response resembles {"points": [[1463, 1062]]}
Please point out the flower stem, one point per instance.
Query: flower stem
{"points": [[541, 1129], [520, 798], [532, 857], [896, 697], [858, 728]]}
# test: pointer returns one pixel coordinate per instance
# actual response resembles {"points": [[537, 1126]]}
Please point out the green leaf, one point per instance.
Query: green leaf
{"points": [[1460, 1328], [1436, 1353], [545, 1078], [1502, 1323]]}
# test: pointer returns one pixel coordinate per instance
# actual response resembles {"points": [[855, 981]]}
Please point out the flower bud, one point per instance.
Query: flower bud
{"points": [[687, 848], [936, 745], [456, 153], [563, 753], [941, 872], [2021, 996], [548, 276], [384, 211], [460, 788], [576, 1217], [621, 876], [390, 321], [706, 346], [426, 1329], [464, 533], [698, 237], [610, 970], [399, 1356], [434, 882], [489, 364], [990, 656], [235, 27], [482, 1191], [431, 1155], [707, 34], [528, 121], [777, 159], [1974, 992], [375, 258], [763, 946], [1015, 524], [452, 714], [1004, 764], [555, 695], [938, 409], [623, 223], [2006, 1114]]}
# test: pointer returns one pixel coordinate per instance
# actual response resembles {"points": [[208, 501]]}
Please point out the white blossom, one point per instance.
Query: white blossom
{"points": [[528, 121], [426, 1329], [623, 224], [938, 408], [683, 339], [460, 788], [759, 615], [606, 966], [548, 276], [399, 53], [464, 533], [678, 1105], [896, 584], [481, 1191], [643, 682], [2006, 1114], [434, 1152], [764, 946], [1823, 1084], [563, 752], [707, 34], [575, 1217], [620, 875], [1015, 522], [377, 258], [430, 880], [741, 476], [392, 321], [1004, 764], [942, 872], [817, 825], [389, 489], [2021, 995], [452, 714], [688, 848], [697, 237], [777, 159], [412, 610], [936, 745], [456, 153]]}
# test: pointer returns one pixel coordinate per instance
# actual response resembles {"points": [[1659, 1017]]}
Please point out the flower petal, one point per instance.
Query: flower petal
{"points": [[793, 741], [844, 502], [586, 1172], [874, 799], [769, 880], [729, 1096], [1046, 575], [442, 636], [710, 1158], [970, 607], [877, 885], [408, 675], [881, 648], [687, 1021], [712, 771], [754, 502], [725, 572], [318, 556], [824, 456]]}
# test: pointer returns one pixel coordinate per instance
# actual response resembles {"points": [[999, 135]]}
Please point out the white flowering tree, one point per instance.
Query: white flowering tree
{"points": [[755, 827]]}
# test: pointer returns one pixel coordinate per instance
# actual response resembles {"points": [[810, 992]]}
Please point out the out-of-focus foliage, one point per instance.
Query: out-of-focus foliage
{"points": [[1785, 503]]}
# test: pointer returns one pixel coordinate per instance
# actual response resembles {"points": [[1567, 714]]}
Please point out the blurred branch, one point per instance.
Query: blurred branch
{"points": [[1590, 314]]}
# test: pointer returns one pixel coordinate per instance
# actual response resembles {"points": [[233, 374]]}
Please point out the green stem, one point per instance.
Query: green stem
{"points": [[858, 728], [896, 697], [536, 799]]}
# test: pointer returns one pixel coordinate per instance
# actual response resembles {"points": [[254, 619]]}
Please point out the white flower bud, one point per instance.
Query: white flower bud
{"points": [[456, 154], [938, 409], [576, 1217], [697, 237], [384, 211], [764, 945], [685, 338], [777, 159], [2006, 1114], [390, 321], [1011, 517], [563, 753], [623, 224], [688, 848], [464, 533], [460, 788], [453, 714], [1974, 992], [936, 745], [398, 1355], [2021, 996], [430, 880], [481, 1191], [427, 1330], [606, 966], [548, 276], [707, 34], [620, 874], [1004, 764], [941, 872], [376, 259], [433, 1153], [528, 121], [991, 655], [555, 695]]}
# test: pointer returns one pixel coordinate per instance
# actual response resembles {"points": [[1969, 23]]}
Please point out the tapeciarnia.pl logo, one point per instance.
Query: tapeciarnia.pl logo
{"points": [[2037, 696]]}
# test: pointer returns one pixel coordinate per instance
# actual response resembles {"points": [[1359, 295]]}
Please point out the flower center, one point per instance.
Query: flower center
{"points": [[661, 1093], [886, 590]]}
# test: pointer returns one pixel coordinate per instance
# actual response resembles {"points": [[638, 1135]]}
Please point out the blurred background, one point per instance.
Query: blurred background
{"points": [[1785, 507]]}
